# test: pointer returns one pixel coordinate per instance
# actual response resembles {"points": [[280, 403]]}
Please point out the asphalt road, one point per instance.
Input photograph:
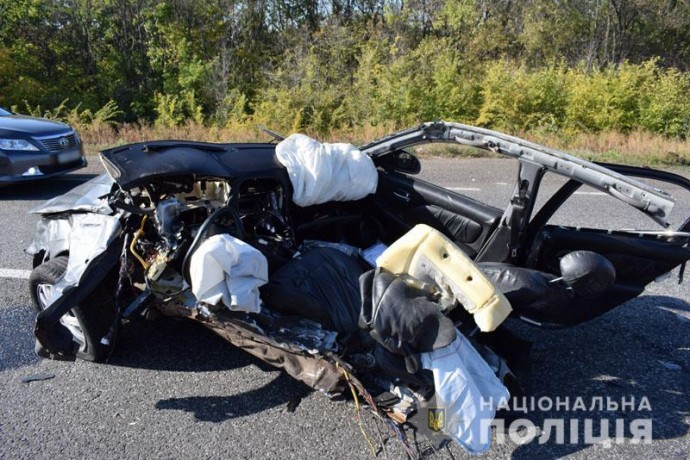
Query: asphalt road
{"points": [[174, 390]]}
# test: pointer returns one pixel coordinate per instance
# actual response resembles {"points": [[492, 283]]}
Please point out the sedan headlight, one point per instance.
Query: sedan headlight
{"points": [[17, 144]]}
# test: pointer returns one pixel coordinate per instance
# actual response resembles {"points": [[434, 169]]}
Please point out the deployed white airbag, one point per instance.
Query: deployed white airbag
{"points": [[229, 270], [326, 172], [469, 392]]}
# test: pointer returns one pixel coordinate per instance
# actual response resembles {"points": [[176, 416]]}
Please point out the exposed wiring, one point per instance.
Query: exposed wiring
{"points": [[359, 411], [381, 441], [411, 454], [357, 388], [134, 242]]}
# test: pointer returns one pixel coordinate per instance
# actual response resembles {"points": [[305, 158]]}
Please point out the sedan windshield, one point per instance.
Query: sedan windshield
{"points": [[4, 113]]}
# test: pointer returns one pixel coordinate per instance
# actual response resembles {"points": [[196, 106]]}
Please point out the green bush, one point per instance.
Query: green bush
{"points": [[176, 109], [666, 108], [515, 98], [76, 116], [620, 98], [307, 91], [340, 82], [232, 109], [608, 99]]}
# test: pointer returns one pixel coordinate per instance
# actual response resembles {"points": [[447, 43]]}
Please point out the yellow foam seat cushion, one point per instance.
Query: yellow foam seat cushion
{"points": [[428, 255]]}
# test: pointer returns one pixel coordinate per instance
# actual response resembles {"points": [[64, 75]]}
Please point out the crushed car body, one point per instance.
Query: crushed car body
{"points": [[339, 266]]}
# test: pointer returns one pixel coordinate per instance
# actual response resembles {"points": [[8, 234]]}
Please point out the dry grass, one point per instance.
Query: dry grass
{"points": [[103, 136], [100, 137], [639, 147]]}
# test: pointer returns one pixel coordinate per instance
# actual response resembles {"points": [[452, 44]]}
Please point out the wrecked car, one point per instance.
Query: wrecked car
{"points": [[340, 266]]}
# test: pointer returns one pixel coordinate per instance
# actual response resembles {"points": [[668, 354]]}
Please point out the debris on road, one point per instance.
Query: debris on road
{"points": [[38, 377]]}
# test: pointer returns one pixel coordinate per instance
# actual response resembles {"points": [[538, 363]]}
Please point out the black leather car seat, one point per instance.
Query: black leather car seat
{"points": [[541, 296]]}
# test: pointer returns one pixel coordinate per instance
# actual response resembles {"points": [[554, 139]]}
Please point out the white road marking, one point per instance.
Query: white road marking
{"points": [[502, 183], [591, 193], [19, 274], [464, 189]]}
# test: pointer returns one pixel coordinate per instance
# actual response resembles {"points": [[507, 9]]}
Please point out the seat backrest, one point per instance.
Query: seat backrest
{"points": [[426, 254]]}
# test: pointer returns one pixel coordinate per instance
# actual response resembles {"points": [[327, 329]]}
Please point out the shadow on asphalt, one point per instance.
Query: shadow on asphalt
{"points": [[624, 354], [637, 351], [279, 391], [44, 189], [177, 345], [180, 345]]}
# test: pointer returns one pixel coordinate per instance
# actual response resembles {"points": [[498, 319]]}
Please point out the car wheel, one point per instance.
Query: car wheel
{"points": [[88, 322]]}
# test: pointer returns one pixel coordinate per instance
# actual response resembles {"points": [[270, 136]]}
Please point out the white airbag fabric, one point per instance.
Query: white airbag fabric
{"points": [[326, 172], [468, 391], [229, 270]]}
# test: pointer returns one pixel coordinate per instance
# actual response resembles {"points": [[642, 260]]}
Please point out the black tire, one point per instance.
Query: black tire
{"points": [[94, 317]]}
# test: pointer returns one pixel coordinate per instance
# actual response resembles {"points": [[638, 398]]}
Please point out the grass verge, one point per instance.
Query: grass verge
{"points": [[636, 148]]}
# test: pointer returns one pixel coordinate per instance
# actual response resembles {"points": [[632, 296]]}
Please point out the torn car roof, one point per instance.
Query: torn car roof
{"points": [[652, 201]]}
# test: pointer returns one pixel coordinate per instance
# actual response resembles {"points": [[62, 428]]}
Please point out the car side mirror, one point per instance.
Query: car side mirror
{"points": [[401, 161]]}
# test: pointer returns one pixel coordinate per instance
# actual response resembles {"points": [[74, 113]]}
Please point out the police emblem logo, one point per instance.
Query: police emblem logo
{"points": [[436, 419]]}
